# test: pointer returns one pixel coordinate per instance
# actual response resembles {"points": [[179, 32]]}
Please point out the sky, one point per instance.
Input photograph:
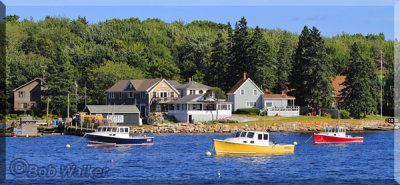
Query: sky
{"points": [[330, 17]]}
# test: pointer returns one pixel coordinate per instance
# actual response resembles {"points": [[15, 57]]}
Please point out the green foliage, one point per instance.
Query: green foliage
{"points": [[312, 72], [253, 111], [103, 77], [213, 53], [344, 114], [361, 87], [217, 92]]}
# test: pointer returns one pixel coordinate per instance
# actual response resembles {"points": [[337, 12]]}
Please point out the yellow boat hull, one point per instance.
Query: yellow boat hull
{"points": [[223, 147]]}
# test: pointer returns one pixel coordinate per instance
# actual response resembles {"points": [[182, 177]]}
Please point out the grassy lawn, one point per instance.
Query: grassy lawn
{"points": [[273, 119]]}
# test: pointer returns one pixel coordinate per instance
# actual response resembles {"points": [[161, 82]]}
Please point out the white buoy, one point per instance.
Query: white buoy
{"points": [[295, 143], [208, 153], [67, 146]]}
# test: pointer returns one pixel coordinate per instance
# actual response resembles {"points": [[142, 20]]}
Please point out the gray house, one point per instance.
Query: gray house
{"points": [[192, 87], [245, 94], [120, 114]]}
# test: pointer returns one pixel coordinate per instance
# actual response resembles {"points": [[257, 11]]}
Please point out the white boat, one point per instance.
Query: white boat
{"points": [[112, 136]]}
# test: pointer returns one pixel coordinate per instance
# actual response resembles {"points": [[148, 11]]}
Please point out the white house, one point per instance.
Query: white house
{"points": [[197, 107], [279, 104]]}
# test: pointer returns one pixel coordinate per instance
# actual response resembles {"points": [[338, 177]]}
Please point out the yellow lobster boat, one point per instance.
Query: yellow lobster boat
{"points": [[251, 142]]}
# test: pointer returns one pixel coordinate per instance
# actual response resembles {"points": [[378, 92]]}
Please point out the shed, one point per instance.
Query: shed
{"points": [[120, 114]]}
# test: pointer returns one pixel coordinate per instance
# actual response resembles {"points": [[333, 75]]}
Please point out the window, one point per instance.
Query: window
{"points": [[126, 130], [163, 94], [250, 104], [112, 95], [130, 86], [259, 136], [242, 92], [163, 85], [201, 92], [243, 134], [237, 134], [24, 105], [250, 134], [114, 129], [109, 129], [254, 92], [120, 95], [172, 94], [223, 107], [178, 107], [192, 91], [104, 129], [154, 94], [130, 95], [141, 94], [21, 94], [265, 136], [333, 93], [268, 104], [121, 129]]}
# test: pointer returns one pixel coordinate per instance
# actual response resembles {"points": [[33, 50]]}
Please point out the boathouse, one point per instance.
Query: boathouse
{"points": [[119, 114]]}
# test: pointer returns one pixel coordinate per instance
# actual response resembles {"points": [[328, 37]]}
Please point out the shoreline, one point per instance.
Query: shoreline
{"points": [[297, 127]]}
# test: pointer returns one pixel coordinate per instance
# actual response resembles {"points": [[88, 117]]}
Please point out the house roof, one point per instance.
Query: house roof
{"points": [[192, 85], [336, 84], [140, 85], [240, 83], [197, 98], [27, 83], [277, 96], [112, 109], [173, 83], [188, 98]]}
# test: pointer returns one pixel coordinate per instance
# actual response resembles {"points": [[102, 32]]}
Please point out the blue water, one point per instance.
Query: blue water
{"points": [[182, 156]]}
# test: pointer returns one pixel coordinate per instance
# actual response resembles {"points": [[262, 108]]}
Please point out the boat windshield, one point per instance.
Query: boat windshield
{"points": [[243, 134], [114, 129], [99, 129], [237, 134], [250, 134]]}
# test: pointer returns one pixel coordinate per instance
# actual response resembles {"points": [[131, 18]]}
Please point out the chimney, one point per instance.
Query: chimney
{"points": [[190, 79], [283, 92], [244, 75]]}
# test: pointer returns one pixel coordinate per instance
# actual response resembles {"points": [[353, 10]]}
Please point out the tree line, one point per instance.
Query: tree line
{"points": [[97, 55]]}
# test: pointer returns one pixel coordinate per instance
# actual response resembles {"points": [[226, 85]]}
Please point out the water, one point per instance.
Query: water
{"points": [[182, 156]]}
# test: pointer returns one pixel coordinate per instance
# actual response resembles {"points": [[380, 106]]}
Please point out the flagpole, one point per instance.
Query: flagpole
{"points": [[381, 82]]}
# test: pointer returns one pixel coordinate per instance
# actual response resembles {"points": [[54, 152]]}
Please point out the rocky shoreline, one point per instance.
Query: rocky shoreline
{"points": [[299, 126]]}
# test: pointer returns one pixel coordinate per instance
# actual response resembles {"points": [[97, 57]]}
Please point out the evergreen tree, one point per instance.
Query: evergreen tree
{"points": [[312, 72], [218, 63], [60, 76], [239, 61], [284, 63], [261, 64], [360, 91]]}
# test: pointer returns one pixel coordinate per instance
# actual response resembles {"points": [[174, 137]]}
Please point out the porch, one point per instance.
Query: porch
{"points": [[288, 111]]}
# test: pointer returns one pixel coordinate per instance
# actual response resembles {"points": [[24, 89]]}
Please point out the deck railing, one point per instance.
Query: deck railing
{"points": [[288, 108], [163, 99]]}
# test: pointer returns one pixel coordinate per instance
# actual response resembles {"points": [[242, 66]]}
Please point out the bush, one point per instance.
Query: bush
{"points": [[344, 114], [248, 111]]}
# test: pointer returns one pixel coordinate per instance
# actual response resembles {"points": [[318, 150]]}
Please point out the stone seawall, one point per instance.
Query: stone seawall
{"points": [[299, 126]]}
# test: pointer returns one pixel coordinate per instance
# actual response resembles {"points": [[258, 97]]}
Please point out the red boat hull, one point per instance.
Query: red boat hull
{"points": [[333, 139]]}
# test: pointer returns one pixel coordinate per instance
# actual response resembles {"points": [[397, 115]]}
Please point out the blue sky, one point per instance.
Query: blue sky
{"points": [[331, 18]]}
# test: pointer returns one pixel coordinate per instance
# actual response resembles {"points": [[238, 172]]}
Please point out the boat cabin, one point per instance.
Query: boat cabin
{"points": [[113, 131], [335, 131], [251, 137]]}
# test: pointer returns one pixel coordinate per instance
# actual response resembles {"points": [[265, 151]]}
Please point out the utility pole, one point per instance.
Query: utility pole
{"points": [[47, 112], [67, 112], [76, 97], [381, 81]]}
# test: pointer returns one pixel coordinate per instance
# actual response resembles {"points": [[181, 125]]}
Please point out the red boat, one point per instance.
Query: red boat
{"points": [[336, 135]]}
